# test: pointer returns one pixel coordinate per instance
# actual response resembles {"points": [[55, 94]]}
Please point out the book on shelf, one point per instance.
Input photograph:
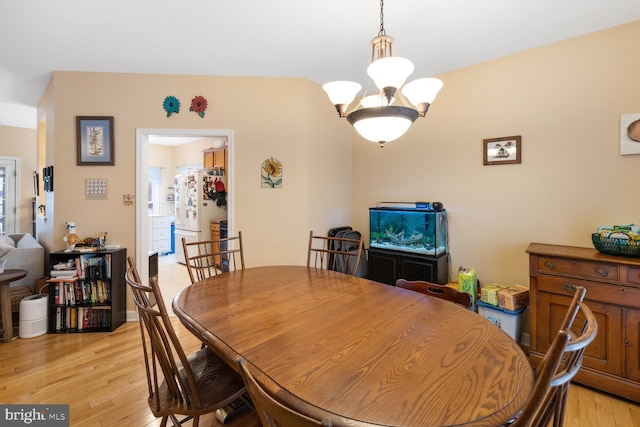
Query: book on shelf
{"points": [[64, 274], [75, 292], [82, 318], [93, 266], [61, 289]]}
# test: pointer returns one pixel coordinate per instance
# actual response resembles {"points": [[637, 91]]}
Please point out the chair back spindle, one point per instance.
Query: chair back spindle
{"points": [[209, 258], [335, 253]]}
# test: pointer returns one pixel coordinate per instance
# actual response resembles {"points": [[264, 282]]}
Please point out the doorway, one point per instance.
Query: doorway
{"points": [[9, 208], [143, 141]]}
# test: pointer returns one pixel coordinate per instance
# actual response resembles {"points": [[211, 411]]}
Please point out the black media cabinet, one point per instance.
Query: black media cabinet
{"points": [[388, 266]]}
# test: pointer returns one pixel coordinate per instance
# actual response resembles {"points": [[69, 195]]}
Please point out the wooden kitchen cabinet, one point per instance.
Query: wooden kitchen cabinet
{"points": [[215, 158], [612, 361], [215, 235], [219, 158]]}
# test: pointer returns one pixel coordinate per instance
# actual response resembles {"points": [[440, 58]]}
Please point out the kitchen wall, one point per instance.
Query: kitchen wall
{"points": [[170, 158], [163, 157]]}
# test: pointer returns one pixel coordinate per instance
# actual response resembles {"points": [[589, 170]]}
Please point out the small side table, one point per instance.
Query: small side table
{"points": [[6, 278]]}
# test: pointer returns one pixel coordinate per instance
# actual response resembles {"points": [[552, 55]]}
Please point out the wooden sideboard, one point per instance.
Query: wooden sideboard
{"points": [[612, 361]]}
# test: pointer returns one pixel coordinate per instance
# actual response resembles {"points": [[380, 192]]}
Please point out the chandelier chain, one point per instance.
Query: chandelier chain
{"points": [[382, 32]]}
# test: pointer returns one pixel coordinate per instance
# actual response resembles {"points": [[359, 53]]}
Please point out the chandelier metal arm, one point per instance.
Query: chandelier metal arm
{"points": [[423, 108], [342, 109]]}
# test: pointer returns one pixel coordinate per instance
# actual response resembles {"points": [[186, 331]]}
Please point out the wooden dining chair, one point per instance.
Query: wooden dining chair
{"points": [[271, 412], [559, 366], [436, 290], [208, 258], [178, 385], [574, 307], [335, 253]]}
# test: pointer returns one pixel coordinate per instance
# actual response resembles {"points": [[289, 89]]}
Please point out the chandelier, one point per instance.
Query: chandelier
{"points": [[380, 117]]}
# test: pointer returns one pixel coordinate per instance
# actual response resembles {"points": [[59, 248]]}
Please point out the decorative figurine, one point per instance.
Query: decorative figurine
{"points": [[71, 238]]}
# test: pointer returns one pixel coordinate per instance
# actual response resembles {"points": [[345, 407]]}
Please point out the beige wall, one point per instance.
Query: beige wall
{"points": [[22, 144], [289, 119], [565, 100]]}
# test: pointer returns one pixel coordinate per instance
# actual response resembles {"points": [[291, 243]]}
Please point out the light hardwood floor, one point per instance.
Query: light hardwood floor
{"points": [[101, 376]]}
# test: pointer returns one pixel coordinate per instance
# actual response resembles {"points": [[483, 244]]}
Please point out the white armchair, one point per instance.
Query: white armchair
{"points": [[24, 252]]}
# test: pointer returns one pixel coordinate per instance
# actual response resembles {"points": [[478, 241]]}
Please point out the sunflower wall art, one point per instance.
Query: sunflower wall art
{"points": [[271, 173], [198, 105]]}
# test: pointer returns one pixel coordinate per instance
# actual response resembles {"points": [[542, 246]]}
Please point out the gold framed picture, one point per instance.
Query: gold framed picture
{"points": [[502, 151]]}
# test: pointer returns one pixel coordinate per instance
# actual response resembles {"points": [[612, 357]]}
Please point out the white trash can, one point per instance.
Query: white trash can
{"points": [[33, 316]]}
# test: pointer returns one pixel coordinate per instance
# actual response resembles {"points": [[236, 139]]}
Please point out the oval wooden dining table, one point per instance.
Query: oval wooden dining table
{"points": [[359, 350]]}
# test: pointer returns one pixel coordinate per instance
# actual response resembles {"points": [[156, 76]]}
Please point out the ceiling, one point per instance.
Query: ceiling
{"points": [[321, 40]]}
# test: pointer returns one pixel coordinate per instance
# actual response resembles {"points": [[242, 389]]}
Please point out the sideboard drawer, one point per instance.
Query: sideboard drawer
{"points": [[607, 293], [575, 267], [633, 275]]}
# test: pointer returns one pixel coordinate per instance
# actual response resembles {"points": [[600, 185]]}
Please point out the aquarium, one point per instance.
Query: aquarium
{"points": [[414, 230]]}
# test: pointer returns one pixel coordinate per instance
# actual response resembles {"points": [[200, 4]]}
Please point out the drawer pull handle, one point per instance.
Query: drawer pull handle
{"points": [[602, 272], [570, 288], [549, 265]]}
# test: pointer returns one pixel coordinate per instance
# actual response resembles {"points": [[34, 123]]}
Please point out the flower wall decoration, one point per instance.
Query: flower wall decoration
{"points": [[171, 105], [271, 173], [198, 105]]}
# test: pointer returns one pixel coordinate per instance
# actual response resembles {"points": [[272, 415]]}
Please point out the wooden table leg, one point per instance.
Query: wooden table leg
{"points": [[5, 307]]}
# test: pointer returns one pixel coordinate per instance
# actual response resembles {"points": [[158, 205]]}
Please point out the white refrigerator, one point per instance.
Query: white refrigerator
{"points": [[194, 208]]}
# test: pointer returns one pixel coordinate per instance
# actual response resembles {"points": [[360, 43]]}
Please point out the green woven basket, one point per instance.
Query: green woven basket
{"points": [[613, 246]]}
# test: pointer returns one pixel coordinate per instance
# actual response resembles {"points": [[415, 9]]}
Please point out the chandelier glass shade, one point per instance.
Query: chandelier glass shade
{"points": [[384, 116], [382, 124], [391, 71]]}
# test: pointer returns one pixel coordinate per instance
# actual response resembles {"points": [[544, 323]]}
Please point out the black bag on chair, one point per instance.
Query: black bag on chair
{"points": [[333, 232], [362, 266]]}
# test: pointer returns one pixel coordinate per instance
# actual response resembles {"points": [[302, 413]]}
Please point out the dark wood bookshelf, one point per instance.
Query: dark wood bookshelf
{"points": [[92, 301]]}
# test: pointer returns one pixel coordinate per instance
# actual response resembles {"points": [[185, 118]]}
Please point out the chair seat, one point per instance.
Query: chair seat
{"points": [[217, 384]]}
